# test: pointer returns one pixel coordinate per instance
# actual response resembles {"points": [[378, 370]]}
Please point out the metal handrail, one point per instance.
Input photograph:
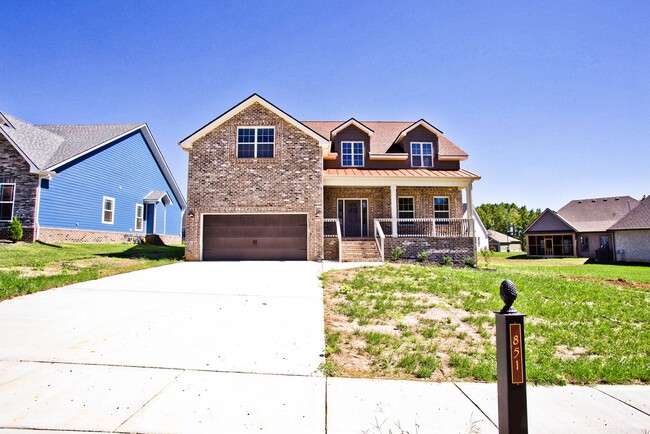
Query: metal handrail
{"points": [[380, 243]]}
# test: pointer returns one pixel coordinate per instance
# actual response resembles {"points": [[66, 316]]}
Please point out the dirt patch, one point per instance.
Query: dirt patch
{"points": [[618, 282], [68, 267], [565, 353], [434, 328]]}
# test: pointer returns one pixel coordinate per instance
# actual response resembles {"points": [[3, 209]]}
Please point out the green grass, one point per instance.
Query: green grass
{"points": [[577, 331], [28, 268]]}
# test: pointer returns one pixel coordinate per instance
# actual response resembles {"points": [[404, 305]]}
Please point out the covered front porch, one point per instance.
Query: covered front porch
{"points": [[412, 209]]}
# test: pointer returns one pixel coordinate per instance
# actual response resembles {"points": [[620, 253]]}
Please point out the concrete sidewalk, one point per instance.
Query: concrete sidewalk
{"points": [[235, 347]]}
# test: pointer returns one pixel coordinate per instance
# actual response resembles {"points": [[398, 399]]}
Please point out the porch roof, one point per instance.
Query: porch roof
{"points": [[405, 177]]}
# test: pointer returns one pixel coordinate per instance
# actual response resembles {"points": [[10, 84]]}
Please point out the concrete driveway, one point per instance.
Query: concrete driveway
{"points": [[235, 347], [182, 348]]}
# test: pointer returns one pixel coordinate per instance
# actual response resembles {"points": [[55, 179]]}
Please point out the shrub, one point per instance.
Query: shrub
{"points": [[447, 261], [487, 254], [469, 262], [15, 231], [422, 256], [396, 253]]}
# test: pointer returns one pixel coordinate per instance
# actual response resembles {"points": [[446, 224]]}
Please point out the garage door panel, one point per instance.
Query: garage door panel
{"points": [[255, 237]]}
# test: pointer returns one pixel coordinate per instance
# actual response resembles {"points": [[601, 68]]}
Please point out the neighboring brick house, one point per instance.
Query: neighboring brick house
{"points": [[86, 183], [263, 185], [579, 229], [502, 242], [631, 234]]}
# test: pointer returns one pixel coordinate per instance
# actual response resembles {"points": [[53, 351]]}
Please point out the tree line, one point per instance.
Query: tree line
{"points": [[507, 218]]}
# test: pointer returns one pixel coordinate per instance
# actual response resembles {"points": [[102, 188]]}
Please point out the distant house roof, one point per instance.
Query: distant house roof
{"points": [[387, 133], [596, 215], [638, 218], [502, 238], [46, 146]]}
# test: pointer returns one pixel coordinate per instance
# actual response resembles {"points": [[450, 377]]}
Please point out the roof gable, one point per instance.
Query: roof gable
{"points": [[414, 125], [638, 218], [187, 142], [351, 121], [549, 221]]}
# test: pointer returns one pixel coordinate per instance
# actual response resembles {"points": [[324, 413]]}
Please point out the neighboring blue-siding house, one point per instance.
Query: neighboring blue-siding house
{"points": [[87, 183]]}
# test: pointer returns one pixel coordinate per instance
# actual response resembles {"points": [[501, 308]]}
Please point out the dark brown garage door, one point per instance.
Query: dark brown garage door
{"points": [[255, 237]]}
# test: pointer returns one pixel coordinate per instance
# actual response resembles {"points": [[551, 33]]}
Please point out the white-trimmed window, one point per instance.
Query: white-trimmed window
{"points": [[352, 154], [7, 196], [108, 210], [406, 208], [441, 207], [421, 154], [255, 142], [139, 216]]}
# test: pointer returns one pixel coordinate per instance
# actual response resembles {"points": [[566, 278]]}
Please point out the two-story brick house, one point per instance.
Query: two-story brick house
{"points": [[263, 185]]}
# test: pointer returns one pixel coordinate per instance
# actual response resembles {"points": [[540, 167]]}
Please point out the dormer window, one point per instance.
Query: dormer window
{"points": [[255, 142], [421, 154], [352, 154]]}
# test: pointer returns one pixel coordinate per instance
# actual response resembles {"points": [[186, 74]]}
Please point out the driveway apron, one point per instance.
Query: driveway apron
{"points": [[213, 347]]}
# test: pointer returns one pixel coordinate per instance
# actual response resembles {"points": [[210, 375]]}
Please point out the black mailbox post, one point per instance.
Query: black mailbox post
{"points": [[511, 364]]}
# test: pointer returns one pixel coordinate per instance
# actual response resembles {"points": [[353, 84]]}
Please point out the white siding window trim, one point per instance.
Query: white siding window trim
{"points": [[106, 200], [12, 202], [421, 154], [138, 224], [256, 141], [353, 154]]}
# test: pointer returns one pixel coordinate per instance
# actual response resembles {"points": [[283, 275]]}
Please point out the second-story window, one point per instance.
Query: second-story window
{"points": [[352, 154], [421, 154], [255, 142]]}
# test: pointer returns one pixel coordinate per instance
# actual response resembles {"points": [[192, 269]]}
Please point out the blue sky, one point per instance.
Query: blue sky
{"points": [[550, 99]]}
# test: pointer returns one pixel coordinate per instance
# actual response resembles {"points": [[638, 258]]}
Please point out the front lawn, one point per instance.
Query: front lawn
{"points": [[28, 268], [583, 324]]}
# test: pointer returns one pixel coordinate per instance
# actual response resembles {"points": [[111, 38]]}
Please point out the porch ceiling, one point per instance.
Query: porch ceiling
{"points": [[399, 177]]}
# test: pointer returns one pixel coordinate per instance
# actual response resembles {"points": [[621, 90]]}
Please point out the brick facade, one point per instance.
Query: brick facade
{"points": [[457, 248], [15, 169], [220, 183], [73, 236], [632, 245], [331, 249], [379, 200]]}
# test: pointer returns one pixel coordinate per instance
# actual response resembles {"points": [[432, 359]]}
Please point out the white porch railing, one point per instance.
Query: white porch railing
{"points": [[332, 229], [428, 227], [379, 239]]}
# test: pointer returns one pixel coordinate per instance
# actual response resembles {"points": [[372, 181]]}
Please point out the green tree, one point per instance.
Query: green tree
{"points": [[507, 218]]}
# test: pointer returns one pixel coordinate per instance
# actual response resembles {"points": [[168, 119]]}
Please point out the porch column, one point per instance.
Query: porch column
{"points": [[470, 208], [393, 209]]}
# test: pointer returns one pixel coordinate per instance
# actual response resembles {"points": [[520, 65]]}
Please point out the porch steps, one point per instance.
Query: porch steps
{"points": [[360, 251]]}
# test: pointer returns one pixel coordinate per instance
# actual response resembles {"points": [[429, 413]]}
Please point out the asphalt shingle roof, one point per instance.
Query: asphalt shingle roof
{"points": [[501, 238], [638, 218], [385, 133], [48, 145], [596, 215]]}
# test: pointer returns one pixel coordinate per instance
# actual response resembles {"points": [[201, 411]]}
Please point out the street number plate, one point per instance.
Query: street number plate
{"points": [[516, 359]]}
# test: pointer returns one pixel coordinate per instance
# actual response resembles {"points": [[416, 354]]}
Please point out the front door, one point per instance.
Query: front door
{"points": [[353, 214]]}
